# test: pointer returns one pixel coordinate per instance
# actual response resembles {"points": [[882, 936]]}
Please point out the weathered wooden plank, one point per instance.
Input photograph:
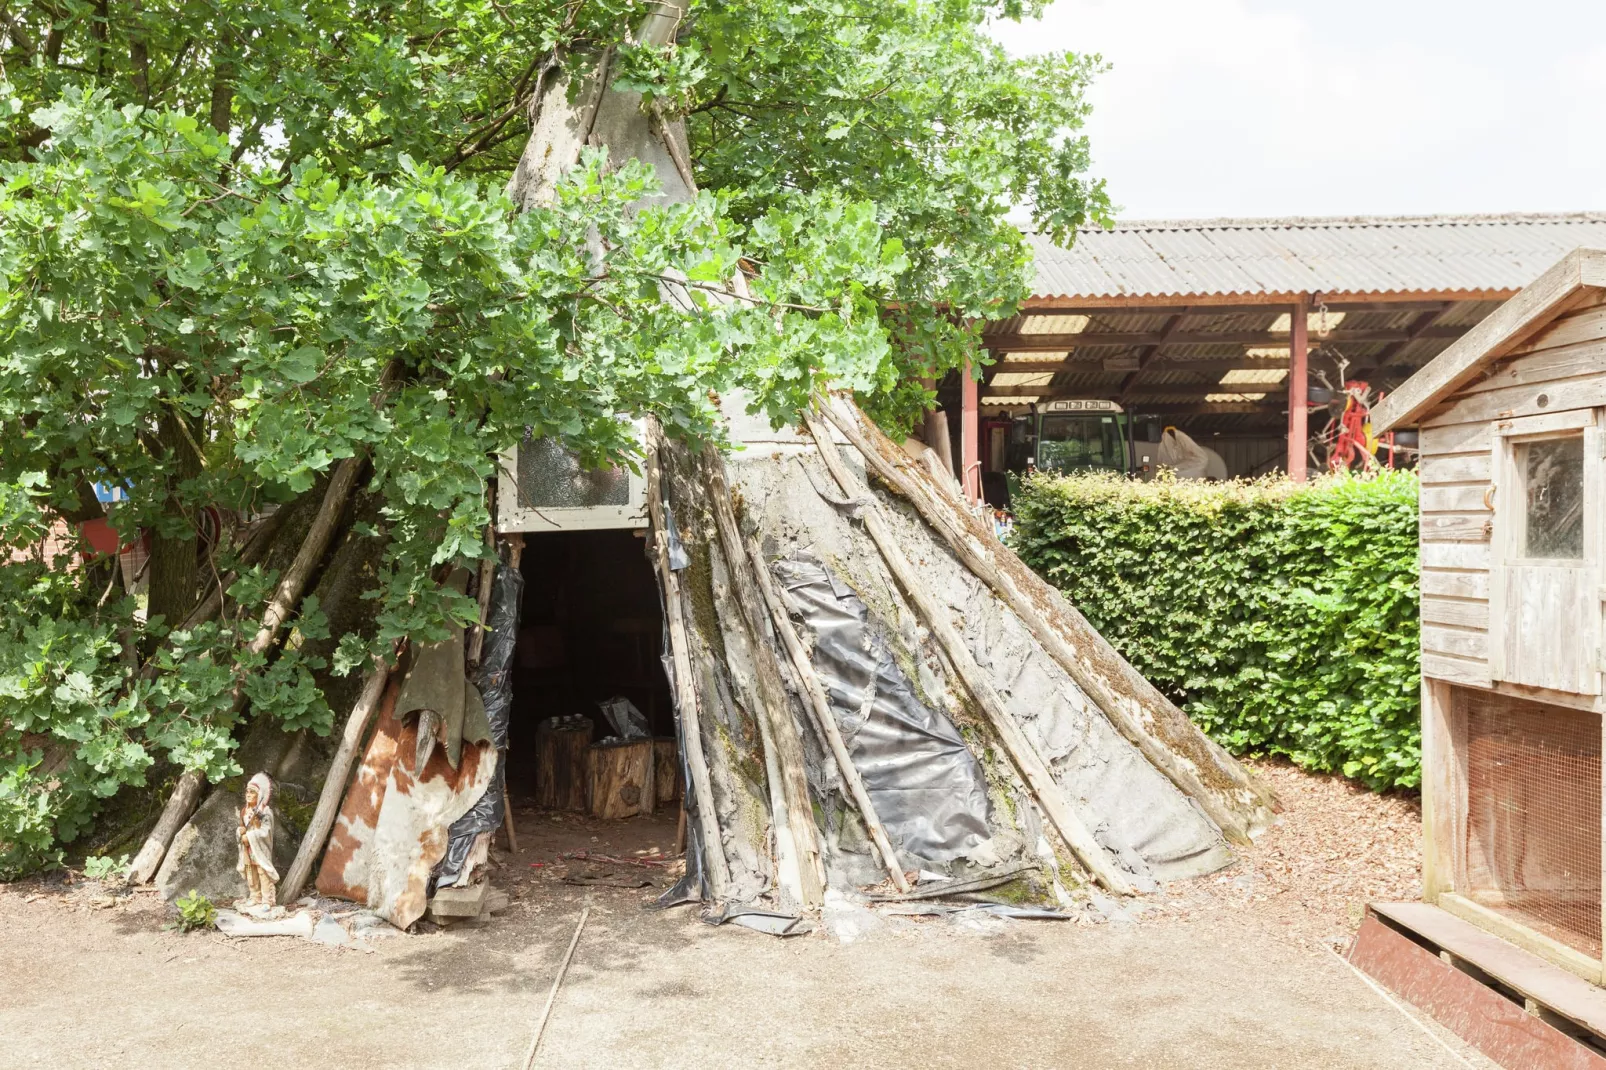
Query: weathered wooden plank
{"points": [[1456, 438], [1455, 642], [1498, 1027], [1440, 801], [1456, 527], [1455, 584], [1531, 399], [1508, 326], [1558, 990], [1455, 467], [1458, 499], [1455, 555], [1456, 670], [1585, 325], [1461, 613], [1545, 366], [1527, 939]]}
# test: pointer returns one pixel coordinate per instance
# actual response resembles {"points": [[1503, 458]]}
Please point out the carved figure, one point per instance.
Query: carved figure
{"points": [[256, 843]]}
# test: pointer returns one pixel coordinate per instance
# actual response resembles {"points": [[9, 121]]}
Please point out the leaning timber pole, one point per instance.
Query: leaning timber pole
{"points": [[1033, 770]]}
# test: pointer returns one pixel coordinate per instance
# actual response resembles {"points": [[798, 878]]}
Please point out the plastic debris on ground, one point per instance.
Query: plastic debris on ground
{"points": [[325, 921]]}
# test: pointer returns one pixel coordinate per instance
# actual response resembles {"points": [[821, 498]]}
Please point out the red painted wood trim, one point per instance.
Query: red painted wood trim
{"points": [[1298, 384], [970, 435], [1471, 1010]]}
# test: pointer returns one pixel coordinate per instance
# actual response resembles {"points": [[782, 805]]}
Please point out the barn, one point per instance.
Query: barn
{"points": [[1242, 332]]}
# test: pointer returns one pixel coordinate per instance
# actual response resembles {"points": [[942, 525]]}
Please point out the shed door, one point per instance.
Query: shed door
{"points": [[1545, 599]]}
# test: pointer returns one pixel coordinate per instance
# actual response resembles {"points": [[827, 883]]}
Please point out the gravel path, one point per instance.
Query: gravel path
{"points": [[1225, 972]]}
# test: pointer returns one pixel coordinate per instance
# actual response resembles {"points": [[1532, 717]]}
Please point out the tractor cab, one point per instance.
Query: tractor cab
{"points": [[1082, 435]]}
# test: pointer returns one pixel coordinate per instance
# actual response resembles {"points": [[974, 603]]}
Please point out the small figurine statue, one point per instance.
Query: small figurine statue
{"points": [[256, 844]]}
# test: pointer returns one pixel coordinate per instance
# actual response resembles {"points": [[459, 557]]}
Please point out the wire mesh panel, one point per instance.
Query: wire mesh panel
{"points": [[1533, 822]]}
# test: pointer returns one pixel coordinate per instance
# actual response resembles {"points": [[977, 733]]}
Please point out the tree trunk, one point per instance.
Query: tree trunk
{"points": [[560, 764], [666, 770], [172, 568], [619, 778]]}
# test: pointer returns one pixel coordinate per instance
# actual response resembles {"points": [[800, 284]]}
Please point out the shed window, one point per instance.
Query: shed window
{"points": [[1552, 472]]}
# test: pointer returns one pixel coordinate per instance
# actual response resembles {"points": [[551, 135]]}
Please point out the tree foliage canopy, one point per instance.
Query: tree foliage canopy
{"points": [[240, 243]]}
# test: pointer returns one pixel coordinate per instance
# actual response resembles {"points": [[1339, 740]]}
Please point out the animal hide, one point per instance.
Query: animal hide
{"points": [[392, 828]]}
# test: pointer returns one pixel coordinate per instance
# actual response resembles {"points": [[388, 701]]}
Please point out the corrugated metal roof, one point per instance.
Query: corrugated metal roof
{"points": [[1357, 255]]}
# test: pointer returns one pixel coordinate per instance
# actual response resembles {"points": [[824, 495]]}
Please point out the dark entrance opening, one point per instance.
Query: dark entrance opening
{"points": [[591, 630]]}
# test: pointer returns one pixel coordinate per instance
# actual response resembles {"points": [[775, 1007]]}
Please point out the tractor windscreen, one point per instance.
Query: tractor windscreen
{"points": [[1070, 442]]}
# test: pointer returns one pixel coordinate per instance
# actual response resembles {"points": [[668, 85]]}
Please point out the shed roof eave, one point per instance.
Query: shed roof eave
{"points": [[1251, 299], [1500, 332]]}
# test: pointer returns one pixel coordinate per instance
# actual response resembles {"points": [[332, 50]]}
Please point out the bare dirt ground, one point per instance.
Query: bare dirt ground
{"points": [[1227, 971]]}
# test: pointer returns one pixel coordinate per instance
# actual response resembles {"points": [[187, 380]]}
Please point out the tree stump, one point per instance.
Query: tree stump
{"points": [[666, 770], [560, 756], [620, 777]]}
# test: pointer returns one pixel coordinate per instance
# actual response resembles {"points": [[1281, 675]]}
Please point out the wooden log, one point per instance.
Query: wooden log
{"points": [[686, 702], [334, 785], [619, 778], [560, 763], [507, 818], [186, 796], [797, 840], [1075, 645], [824, 719], [476, 643], [1033, 770], [288, 592], [666, 770]]}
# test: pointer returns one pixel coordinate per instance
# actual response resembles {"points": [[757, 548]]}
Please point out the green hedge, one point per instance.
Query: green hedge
{"points": [[1283, 619]]}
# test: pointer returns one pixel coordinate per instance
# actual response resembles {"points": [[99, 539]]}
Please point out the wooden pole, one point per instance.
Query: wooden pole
{"points": [[334, 785], [1298, 393], [288, 592], [821, 707], [476, 643], [185, 798], [970, 435], [691, 735], [187, 794], [797, 838], [552, 996], [1049, 618], [1039, 779]]}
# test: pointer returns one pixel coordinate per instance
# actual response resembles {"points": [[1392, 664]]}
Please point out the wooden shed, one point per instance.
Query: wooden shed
{"points": [[1513, 505]]}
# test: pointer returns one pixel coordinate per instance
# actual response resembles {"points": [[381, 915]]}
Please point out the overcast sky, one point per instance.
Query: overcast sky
{"points": [[1298, 107]]}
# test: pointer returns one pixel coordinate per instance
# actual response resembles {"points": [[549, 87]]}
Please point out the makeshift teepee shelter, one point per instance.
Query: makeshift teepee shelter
{"points": [[862, 682]]}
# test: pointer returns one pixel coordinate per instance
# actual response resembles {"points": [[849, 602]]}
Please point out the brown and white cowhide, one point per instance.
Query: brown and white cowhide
{"points": [[392, 826]]}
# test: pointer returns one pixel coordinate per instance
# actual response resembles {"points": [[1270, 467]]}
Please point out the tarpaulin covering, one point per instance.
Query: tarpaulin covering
{"points": [[927, 788], [495, 682]]}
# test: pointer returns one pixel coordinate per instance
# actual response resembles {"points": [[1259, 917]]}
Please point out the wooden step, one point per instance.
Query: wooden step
{"points": [[1513, 1006]]}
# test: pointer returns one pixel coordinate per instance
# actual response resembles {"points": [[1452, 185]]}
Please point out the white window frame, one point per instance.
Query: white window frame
{"points": [[512, 516]]}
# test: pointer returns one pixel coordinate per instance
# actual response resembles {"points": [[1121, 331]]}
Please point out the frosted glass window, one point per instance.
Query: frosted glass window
{"points": [[1553, 483], [550, 477]]}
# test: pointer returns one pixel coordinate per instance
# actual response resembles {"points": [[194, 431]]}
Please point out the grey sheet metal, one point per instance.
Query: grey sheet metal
{"points": [[928, 789]]}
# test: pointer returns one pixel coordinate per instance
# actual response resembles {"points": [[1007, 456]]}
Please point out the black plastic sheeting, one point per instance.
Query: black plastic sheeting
{"points": [[928, 789], [495, 682]]}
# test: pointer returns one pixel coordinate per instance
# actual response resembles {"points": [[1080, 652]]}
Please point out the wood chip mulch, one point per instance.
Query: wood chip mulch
{"points": [[1337, 847]]}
